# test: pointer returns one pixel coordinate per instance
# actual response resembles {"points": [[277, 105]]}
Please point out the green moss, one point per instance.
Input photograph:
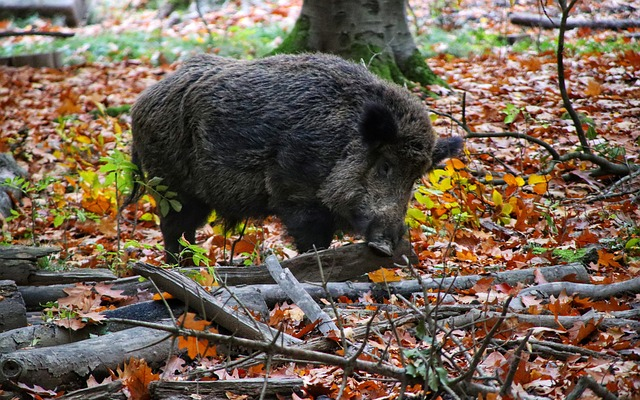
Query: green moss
{"points": [[569, 255], [298, 40], [415, 69], [378, 61]]}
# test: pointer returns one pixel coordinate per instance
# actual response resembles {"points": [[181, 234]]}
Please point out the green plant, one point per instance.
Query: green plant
{"points": [[31, 190]]}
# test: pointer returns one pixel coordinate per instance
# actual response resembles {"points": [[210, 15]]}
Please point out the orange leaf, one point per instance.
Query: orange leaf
{"points": [[593, 88], [196, 347], [585, 238], [136, 376], [69, 103], [384, 275], [606, 259], [163, 295]]}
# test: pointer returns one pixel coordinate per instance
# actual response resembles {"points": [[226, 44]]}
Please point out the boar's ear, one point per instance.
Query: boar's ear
{"points": [[377, 125], [445, 148]]}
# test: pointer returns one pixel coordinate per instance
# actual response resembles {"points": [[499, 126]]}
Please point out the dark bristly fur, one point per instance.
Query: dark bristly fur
{"points": [[314, 139]]}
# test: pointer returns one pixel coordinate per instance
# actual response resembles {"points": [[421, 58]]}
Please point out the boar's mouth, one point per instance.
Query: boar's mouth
{"points": [[380, 237], [382, 248]]}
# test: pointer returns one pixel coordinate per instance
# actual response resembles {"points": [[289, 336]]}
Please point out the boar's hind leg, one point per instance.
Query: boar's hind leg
{"points": [[175, 224], [310, 226]]}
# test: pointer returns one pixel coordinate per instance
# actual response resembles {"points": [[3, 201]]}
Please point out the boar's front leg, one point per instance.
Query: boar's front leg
{"points": [[192, 215], [308, 226]]}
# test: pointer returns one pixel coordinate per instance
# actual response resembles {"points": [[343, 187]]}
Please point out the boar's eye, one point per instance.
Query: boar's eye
{"points": [[384, 169]]}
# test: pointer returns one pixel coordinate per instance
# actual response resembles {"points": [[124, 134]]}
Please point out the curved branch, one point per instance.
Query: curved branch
{"points": [[554, 154], [561, 82], [605, 165]]}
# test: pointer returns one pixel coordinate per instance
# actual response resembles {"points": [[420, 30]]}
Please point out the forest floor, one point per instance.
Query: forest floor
{"points": [[503, 206]]}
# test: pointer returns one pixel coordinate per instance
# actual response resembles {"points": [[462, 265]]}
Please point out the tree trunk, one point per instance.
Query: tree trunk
{"points": [[374, 32]]}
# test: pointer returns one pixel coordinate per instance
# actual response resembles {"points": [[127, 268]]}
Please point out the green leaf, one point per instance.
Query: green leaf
{"points": [[417, 215], [58, 220], [632, 243], [591, 133], [176, 205], [155, 181], [424, 200], [511, 112], [164, 207]]}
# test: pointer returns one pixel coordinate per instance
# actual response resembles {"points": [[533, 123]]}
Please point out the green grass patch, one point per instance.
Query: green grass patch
{"points": [[460, 43], [108, 47], [466, 42]]}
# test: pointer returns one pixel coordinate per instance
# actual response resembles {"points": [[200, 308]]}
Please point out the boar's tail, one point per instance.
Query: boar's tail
{"points": [[445, 148], [136, 177]]}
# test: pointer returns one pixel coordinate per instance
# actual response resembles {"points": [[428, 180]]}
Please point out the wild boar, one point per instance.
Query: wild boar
{"points": [[314, 139]]}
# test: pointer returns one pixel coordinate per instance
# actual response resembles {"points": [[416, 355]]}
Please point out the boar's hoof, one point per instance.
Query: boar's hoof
{"points": [[382, 248]]}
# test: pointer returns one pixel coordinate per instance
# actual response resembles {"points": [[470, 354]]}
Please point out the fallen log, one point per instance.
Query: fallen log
{"points": [[547, 321], [36, 33], [339, 264], [68, 366], [47, 335], [106, 391], [42, 277], [209, 307], [52, 59], [585, 290], [13, 313], [542, 21], [575, 272], [250, 387], [18, 263], [74, 11], [297, 294], [35, 296]]}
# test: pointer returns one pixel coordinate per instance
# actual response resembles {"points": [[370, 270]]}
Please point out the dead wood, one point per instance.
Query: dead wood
{"points": [[340, 264], [19, 262], [218, 390], [74, 11], [31, 253], [548, 321], [106, 391], [35, 296], [297, 294], [36, 33], [575, 272], [52, 59], [594, 292], [542, 21], [209, 307], [47, 335], [74, 275], [13, 313], [41, 336], [290, 351], [67, 366], [587, 382]]}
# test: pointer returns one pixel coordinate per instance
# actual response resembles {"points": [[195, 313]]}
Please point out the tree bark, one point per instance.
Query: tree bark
{"points": [[374, 32], [209, 307], [210, 390], [542, 21], [67, 366], [575, 272], [13, 313], [106, 391], [339, 264]]}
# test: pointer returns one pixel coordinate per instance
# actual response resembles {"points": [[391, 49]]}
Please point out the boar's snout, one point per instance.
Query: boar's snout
{"points": [[383, 235]]}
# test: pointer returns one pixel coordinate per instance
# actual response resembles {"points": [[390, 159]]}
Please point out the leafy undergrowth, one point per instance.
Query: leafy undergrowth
{"points": [[499, 207]]}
